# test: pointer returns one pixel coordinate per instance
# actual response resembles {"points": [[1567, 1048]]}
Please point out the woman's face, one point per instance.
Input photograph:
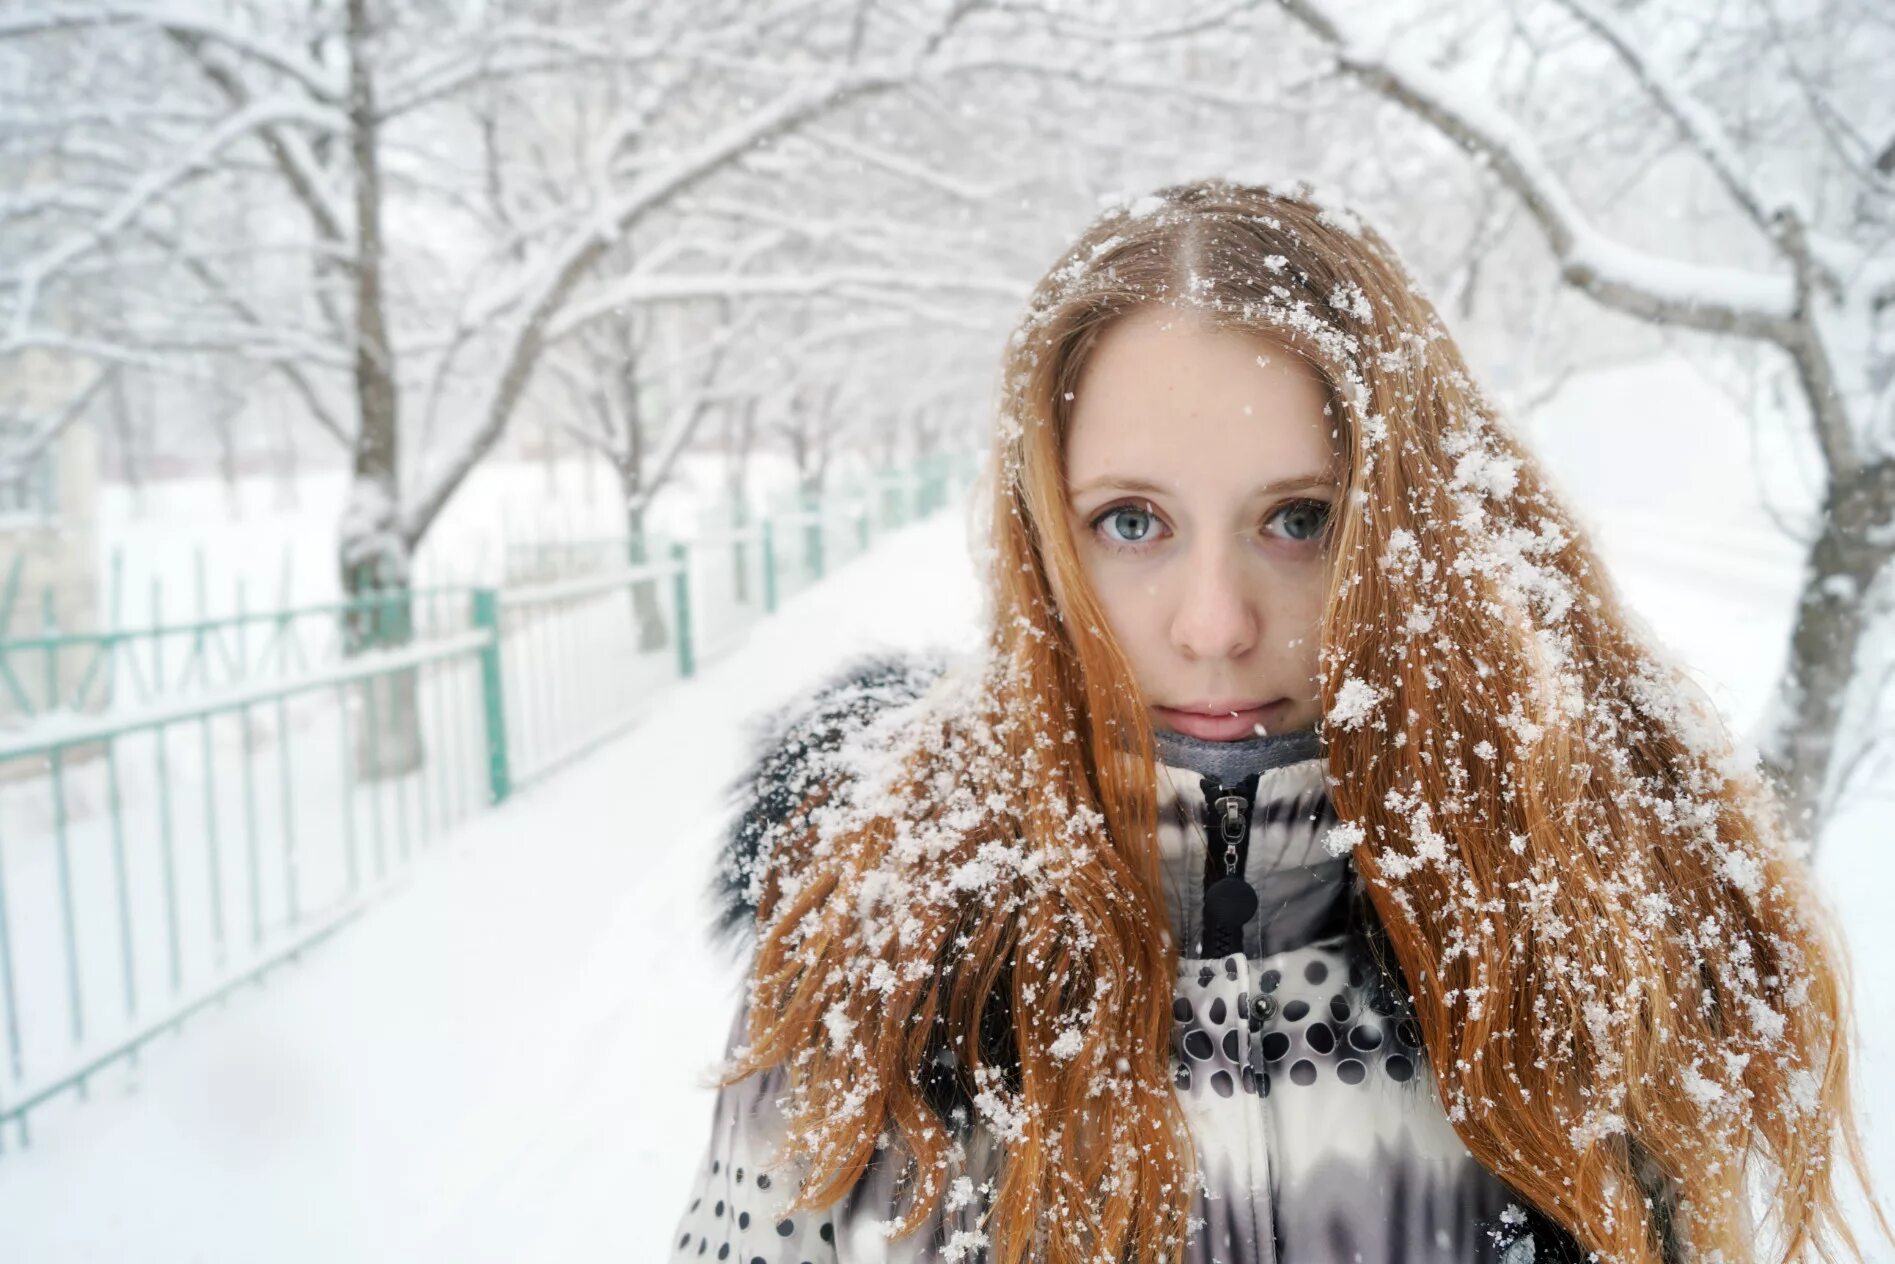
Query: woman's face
{"points": [[1199, 485]]}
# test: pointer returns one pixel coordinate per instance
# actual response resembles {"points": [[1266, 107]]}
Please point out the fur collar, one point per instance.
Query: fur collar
{"points": [[787, 747]]}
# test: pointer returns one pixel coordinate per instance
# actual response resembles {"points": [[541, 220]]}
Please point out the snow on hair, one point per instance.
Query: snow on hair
{"points": [[1623, 977]]}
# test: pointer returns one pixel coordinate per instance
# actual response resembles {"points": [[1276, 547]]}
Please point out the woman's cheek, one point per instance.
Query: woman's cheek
{"points": [[1132, 605]]}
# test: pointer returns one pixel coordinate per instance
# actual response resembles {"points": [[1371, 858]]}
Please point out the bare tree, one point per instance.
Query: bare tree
{"points": [[1823, 218], [339, 116], [604, 370]]}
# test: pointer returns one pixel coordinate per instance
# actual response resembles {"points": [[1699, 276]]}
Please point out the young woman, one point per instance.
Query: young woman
{"points": [[1316, 865]]}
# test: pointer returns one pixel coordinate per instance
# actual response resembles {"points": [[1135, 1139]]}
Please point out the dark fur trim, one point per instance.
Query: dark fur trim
{"points": [[784, 765], [787, 748]]}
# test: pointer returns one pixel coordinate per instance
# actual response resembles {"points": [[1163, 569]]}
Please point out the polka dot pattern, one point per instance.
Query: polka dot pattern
{"points": [[1301, 1017], [730, 1220], [736, 1210], [1311, 1054], [1243, 1029]]}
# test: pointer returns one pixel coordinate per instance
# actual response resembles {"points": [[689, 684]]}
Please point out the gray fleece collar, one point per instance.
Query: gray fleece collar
{"points": [[1232, 761]]}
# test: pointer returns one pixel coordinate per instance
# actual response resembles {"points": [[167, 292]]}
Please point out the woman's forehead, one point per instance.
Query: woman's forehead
{"points": [[1163, 401]]}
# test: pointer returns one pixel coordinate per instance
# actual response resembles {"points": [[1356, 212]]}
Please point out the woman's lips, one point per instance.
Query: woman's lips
{"points": [[1225, 727]]}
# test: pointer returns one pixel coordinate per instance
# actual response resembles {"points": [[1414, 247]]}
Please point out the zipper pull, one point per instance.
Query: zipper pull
{"points": [[1229, 901], [1232, 813]]}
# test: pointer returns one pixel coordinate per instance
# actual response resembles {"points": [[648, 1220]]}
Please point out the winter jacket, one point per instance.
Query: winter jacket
{"points": [[1321, 1137]]}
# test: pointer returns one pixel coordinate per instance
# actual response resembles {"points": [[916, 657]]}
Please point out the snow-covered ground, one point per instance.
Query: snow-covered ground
{"points": [[500, 1060]]}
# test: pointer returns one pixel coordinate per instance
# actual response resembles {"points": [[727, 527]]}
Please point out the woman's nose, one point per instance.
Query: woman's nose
{"points": [[1216, 615]]}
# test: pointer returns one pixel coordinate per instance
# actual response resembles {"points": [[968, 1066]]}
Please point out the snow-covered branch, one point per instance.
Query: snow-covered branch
{"points": [[257, 117], [851, 282], [313, 78], [907, 168], [511, 52], [148, 348], [288, 150], [1701, 129], [568, 265], [1710, 298], [1067, 24]]}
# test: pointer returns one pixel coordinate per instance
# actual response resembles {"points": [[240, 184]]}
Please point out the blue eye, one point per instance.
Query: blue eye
{"points": [[1315, 521], [1139, 534]]}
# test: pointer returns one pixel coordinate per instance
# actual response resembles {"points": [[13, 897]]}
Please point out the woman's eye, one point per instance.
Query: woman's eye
{"points": [[1130, 526], [1141, 523], [1305, 519]]}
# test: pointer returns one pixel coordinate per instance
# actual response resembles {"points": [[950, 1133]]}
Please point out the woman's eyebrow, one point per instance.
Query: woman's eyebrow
{"points": [[1132, 484]]}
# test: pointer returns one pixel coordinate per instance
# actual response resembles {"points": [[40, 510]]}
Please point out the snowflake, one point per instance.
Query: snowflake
{"points": [[1342, 839], [1355, 702]]}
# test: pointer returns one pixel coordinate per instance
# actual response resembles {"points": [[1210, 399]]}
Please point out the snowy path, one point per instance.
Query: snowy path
{"points": [[500, 1061]]}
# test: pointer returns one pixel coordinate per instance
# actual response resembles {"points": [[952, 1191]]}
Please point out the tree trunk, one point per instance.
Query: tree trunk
{"points": [[387, 719], [375, 555], [288, 470], [648, 614], [740, 427], [1799, 745], [809, 490], [227, 472], [131, 460]]}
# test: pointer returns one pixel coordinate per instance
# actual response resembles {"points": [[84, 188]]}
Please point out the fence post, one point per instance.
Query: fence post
{"points": [[681, 596], [486, 615], [769, 565]]}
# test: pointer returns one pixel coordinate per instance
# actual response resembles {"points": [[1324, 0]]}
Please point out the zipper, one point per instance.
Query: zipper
{"points": [[1229, 901], [1233, 825], [1227, 812]]}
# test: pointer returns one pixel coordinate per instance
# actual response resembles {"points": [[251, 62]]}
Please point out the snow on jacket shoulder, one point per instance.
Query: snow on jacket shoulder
{"points": [[794, 748]]}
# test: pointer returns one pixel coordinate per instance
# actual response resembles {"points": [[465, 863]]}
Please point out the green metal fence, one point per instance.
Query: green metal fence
{"points": [[55, 671], [224, 837], [154, 860]]}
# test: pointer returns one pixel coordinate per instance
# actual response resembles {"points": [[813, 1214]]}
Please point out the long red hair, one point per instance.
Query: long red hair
{"points": [[1628, 988]]}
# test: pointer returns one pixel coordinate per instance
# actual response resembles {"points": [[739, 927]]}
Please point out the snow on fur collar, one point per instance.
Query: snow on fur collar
{"points": [[787, 748]]}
